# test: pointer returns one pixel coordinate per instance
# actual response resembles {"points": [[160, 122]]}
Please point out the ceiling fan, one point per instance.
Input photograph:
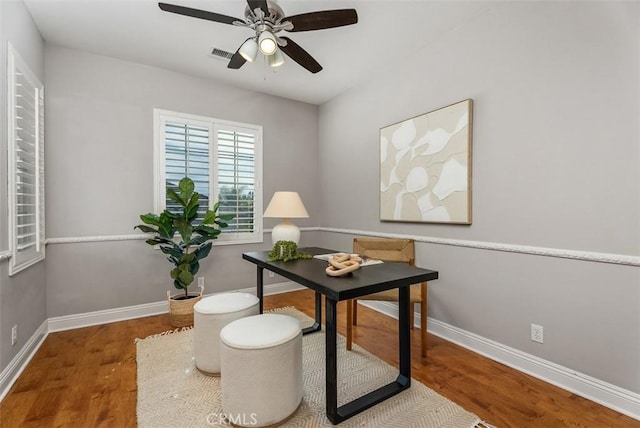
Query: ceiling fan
{"points": [[267, 19]]}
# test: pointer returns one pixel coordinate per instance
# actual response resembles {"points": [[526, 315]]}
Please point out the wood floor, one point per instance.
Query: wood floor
{"points": [[87, 377]]}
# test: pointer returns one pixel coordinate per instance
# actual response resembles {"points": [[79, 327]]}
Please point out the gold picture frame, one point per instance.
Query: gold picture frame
{"points": [[425, 167]]}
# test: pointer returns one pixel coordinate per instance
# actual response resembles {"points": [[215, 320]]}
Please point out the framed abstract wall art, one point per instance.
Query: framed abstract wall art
{"points": [[425, 167]]}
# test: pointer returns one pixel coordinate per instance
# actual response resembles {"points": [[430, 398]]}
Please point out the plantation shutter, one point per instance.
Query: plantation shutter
{"points": [[236, 176], [26, 165], [224, 160], [187, 155]]}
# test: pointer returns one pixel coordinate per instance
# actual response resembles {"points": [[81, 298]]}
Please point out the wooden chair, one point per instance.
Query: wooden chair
{"points": [[390, 250]]}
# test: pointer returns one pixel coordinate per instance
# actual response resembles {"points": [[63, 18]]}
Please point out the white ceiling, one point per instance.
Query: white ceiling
{"points": [[137, 30]]}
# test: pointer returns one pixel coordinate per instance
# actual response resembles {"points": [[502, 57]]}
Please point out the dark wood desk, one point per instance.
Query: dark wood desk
{"points": [[366, 280]]}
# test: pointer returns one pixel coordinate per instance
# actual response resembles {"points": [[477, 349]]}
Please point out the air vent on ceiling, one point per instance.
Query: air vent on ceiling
{"points": [[220, 54]]}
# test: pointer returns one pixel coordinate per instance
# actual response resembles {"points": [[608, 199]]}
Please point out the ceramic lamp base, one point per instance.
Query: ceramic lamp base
{"points": [[286, 231]]}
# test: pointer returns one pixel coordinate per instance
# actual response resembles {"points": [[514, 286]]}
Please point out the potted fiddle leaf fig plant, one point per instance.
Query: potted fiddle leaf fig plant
{"points": [[185, 241]]}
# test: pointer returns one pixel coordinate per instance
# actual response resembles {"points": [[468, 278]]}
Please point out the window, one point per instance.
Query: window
{"points": [[25, 163], [224, 160]]}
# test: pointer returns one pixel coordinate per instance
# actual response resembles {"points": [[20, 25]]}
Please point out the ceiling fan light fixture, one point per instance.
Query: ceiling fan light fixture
{"points": [[249, 50], [267, 43], [277, 59]]}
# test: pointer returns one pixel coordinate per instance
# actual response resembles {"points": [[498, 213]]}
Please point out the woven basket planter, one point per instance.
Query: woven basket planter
{"points": [[181, 311]]}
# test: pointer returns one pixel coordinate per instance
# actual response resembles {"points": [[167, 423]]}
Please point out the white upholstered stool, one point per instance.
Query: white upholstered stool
{"points": [[261, 362], [210, 315]]}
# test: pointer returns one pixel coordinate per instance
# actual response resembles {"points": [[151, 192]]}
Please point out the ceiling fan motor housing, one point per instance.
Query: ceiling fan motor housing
{"points": [[275, 13]]}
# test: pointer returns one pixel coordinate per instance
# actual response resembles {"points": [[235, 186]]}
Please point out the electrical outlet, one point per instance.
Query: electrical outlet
{"points": [[14, 335], [271, 274], [537, 333], [201, 281]]}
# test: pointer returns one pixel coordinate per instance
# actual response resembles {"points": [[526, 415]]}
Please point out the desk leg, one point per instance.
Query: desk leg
{"points": [[338, 414], [404, 335], [331, 374], [260, 287], [317, 325], [318, 308]]}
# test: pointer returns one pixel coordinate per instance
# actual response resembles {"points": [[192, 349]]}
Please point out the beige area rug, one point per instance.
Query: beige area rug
{"points": [[172, 393]]}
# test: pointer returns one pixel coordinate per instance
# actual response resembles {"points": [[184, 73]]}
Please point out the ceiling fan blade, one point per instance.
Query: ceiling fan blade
{"points": [[237, 60], [300, 56], [197, 13], [262, 4], [322, 19]]}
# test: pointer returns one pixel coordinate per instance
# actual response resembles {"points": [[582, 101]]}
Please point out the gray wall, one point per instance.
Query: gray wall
{"points": [[22, 296], [555, 164], [100, 178]]}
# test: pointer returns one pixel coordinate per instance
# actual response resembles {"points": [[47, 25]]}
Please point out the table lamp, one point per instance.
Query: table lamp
{"points": [[286, 205]]}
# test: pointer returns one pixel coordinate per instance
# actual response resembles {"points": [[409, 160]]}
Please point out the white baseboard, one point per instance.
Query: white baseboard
{"points": [[612, 396], [10, 374], [69, 322], [87, 319], [279, 288]]}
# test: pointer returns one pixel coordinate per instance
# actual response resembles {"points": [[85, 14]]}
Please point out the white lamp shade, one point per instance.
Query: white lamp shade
{"points": [[277, 59], [286, 205], [267, 43], [249, 50]]}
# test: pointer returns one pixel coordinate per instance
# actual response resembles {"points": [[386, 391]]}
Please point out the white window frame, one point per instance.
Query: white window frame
{"points": [[160, 117], [21, 260]]}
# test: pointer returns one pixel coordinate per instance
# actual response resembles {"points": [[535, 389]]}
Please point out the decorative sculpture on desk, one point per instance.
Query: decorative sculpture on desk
{"points": [[286, 251], [343, 264]]}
